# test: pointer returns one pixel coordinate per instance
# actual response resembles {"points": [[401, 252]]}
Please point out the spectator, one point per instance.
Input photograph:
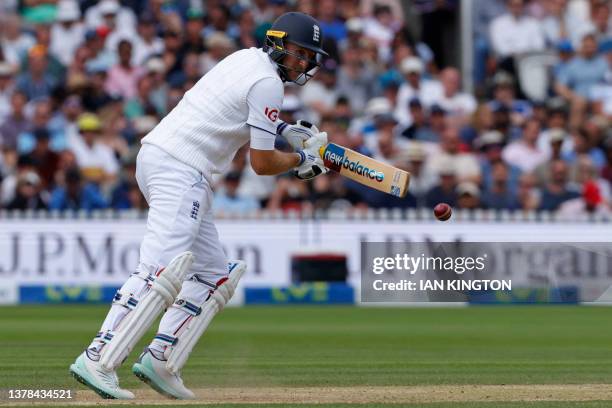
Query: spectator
{"points": [[525, 153], [15, 123], [43, 158], [96, 160], [576, 82], [528, 194], [445, 191], [459, 105], [419, 129], [147, 44], [556, 139], [67, 33], [499, 195], [381, 27], [504, 95], [320, 93], [76, 195], [583, 146], [557, 191], [110, 11], [468, 196], [590, 202], [123, 77], [331, 25], [41, 119], [95, 96], [356, 80], [6, 90], [465, 164], [15, 42], [421, 181], [28, 195], [606, 172], [515, 33], [415, 86], [227, 199], [219, 46], [491, 145], [37, 82]]}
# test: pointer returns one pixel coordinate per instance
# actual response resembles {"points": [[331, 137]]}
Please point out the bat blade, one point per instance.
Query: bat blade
{"points": [[365, 170]]}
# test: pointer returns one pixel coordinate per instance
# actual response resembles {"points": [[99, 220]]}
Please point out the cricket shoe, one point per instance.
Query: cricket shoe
{"points": [[88, 371], [151, 369]]}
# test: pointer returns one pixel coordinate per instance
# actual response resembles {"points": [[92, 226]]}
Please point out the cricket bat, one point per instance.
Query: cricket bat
{"points": [[365, 170]]}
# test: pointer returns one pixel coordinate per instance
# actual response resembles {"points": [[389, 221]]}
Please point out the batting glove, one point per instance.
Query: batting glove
{"points": [[311, 164], [297, 134]]}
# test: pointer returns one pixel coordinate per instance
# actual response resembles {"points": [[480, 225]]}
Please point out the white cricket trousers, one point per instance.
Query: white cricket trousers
{"points": [[180, 216], [180, 219]]}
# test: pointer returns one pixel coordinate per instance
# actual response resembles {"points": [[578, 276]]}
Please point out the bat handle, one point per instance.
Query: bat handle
{"points": [[322, 150]]}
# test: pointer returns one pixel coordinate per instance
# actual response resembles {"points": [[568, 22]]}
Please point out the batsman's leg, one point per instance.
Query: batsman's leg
{"points": [[208, 289], [174, 192]]}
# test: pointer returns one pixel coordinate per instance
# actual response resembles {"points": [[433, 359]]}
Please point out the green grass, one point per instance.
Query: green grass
{"points": [[339, 346], [553, 404]]}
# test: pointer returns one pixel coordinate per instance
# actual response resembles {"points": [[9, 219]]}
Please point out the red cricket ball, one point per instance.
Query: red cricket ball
{"points": [[443, 211]]}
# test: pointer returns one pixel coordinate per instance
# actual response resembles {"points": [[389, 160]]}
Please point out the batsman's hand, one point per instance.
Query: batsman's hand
{"points": [[296, 135], [311, 164]]}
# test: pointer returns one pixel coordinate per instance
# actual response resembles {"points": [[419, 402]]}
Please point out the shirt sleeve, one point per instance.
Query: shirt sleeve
{"points": [[264, 100]]}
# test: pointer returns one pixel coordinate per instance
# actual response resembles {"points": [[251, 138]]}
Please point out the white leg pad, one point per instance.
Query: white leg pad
{"points": [[164, 290], [179, 352]]}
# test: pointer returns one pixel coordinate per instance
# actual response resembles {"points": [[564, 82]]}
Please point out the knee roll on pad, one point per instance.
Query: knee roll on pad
{"points": [[179, 352], [164, 290]]}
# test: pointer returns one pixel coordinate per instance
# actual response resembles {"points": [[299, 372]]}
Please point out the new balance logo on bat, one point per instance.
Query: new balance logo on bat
{"points": [[335, 158]]}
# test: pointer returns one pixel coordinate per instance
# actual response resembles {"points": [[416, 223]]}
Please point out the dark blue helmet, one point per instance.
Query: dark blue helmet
{"points": [[299, 29]]}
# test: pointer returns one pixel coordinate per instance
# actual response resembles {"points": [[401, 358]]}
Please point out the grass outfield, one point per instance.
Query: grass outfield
{"points": [[261, 347]]}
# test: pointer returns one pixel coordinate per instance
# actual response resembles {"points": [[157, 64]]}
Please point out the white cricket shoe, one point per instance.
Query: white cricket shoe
{"points": [[153, 371], [105, 383]]}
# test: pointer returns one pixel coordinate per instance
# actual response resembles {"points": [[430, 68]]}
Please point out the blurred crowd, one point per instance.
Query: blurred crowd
{"points": [[82, 81]]}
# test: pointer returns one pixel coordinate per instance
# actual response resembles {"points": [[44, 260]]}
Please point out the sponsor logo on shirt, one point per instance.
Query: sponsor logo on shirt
{"points": [[271, 114]]}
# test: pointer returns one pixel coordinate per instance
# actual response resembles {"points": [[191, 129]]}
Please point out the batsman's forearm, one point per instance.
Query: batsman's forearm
{"points": [[272, 162]]}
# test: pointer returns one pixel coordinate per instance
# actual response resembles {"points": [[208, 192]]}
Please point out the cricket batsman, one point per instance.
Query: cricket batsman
{"points": [[183, 269]]}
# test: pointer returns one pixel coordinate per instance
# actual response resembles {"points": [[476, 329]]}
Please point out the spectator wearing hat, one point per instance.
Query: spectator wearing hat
{"points": [[75, 194], [219, 46], [111, 11], [491, 144], [557, 190], [421, 181], [557, 139], [445, 190], [504, 94], [428, 91], [419, 129], [28, 193], [582, 73], [468, 196], [123, 77], [96, 160], [525, 153], [67, 32], [15, 123], [100, 58], [565, 52], [7, 87], [37, 82], [227, 199]]}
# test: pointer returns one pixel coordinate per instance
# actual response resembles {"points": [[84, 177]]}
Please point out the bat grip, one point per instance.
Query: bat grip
{"points": [[322, 150]]}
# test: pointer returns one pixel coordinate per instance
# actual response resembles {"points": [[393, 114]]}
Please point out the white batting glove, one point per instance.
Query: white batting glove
{"points": [[297, 134], [311, 164]]}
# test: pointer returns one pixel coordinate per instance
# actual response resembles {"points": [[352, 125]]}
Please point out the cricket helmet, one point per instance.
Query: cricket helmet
{"points": [[299, 29]]}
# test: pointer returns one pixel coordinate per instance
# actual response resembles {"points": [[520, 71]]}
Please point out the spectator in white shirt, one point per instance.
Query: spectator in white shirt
{"points": [[97, 162], [146, 43], [68, 32], [14, 43], [110, 10], [458, 105], [465, 164], [427, 91], [525, 153], [514, 33]]}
